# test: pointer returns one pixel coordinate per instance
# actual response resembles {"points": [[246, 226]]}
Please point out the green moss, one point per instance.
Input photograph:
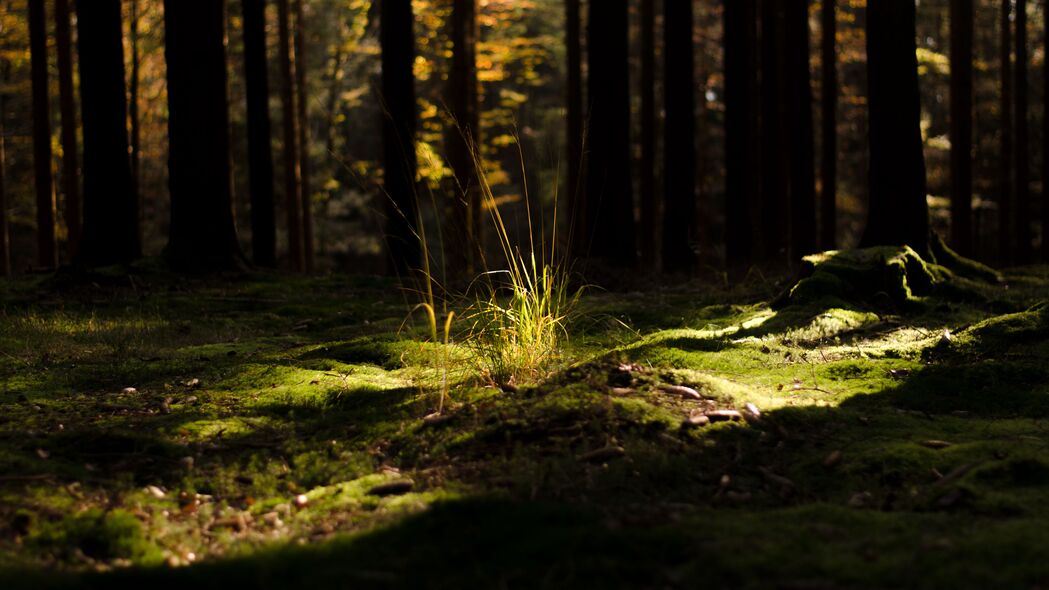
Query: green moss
{"points": [[99, 535]]}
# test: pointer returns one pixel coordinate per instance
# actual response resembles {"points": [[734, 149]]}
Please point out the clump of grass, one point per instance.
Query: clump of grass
{"points": [[518, 323]]}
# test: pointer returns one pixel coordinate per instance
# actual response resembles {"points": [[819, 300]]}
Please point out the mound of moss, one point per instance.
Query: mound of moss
{"points": [[896, 275]]}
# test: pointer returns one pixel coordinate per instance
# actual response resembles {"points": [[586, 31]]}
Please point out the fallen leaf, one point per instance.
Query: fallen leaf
{"points": [[935, 444], [685, 392], [603, 454], [724, 416], [833, 459]]}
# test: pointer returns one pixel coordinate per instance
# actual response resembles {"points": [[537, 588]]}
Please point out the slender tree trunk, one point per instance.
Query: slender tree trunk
{"points": [[574, 133], [774, 178], [463, 139], [1022, 210], [898, 212], [610, 202], [740, 128], [67, 104], [5, 243], [303, 125], [961, 126], [110, 206], [1005, 174], [203, 234], [680, 147], [260, 146], [802, 149], [647, 173], [292, 162], [134, 115], [47, 248], [1045, 146], [398, 133], [829, 102]]}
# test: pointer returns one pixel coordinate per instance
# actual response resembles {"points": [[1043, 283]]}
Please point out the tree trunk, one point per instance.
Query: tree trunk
{"points": [[303, 125], [135, 118], [961, 126], [647, 173], [610, 203], [260, 147], [398, 133], [292, 162], [1005, 161], [1022, 210], [47, 248], [67, 104], [801, 145], [680, 147], [829, 103], [898, 213], [5, 243], [1045, 148], [463, 140], [574, 133], [740, 128], [110, 206], [774, 178], [203, 236]]}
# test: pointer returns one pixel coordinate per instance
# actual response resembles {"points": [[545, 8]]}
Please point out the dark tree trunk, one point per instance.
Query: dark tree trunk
{"points": [[961, 126], [801, 145], [134, 117], [610, 202], [110, 206], [47, 248], [574, 134], [289, 120], [303, 125], [260, 147], [1045, 148], [398, 133], [740, 128], [647, 173], [829, 103], [5, 244], [1022, 210], [463, 140], [680, 148], [1005, 171], [898, 213], [774, 165], [67, 106], [203, 235]]}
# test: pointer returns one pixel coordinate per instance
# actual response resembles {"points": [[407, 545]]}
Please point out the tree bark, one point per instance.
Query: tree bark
{"points": [[463, 140], [260, 146], [961, 126], [110, 206], [1022, 210], [898, 213], [134, 116], [289, 120], [1045, 148], [610, 203], [5, 243], [398, 133], [829, 103], [1005, 161], [67, 106], [647, 173], [47, 247], [774, 168], [680, 147], [574, 131], [203, 236], [801, 145], [303, 126], [740, 128]]}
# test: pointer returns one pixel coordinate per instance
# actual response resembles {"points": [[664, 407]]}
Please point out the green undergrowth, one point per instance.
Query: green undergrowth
{"points": [[275, 431]]}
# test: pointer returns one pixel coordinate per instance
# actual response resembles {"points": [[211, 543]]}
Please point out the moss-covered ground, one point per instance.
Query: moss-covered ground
{"points": [[272, 431]]}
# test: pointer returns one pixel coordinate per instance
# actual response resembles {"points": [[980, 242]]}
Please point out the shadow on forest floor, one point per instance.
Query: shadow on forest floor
{"points": [[267, 416]]}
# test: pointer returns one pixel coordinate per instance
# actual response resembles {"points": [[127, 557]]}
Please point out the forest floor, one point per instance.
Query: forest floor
{"points": [[268, 431]]}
